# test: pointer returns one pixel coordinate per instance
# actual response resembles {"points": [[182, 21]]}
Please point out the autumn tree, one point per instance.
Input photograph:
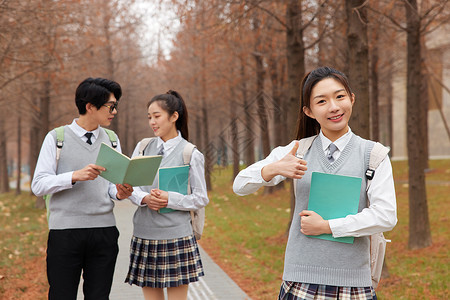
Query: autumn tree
{"points": [[358, 65], [419, 224], [418, 21]]}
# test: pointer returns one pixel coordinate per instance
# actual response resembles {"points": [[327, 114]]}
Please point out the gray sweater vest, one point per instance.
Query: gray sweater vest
{"points": [[150, 224], [318, 261], [87, 204]]}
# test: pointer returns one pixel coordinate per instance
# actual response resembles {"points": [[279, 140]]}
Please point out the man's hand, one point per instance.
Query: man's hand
{"points": [[123, 191], [90, 172]]}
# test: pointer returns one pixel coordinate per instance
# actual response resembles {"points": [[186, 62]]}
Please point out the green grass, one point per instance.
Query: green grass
{"points": [[246, 236], [23, 231]]}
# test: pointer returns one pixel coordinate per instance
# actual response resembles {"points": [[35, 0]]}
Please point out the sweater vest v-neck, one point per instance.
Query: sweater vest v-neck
{"points": [[317, 261], [152, 225], [87, 204]]}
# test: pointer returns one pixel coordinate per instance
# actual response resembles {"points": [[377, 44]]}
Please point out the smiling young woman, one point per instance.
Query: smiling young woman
{"points": [[164, 250], [316, 267]]}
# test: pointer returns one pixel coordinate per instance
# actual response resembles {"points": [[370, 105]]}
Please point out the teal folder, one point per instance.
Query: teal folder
{"points": [[173, 179], [332, 197]]}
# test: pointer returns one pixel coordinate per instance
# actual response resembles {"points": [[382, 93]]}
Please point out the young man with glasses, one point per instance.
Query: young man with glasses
{"points": [[83, 234]]}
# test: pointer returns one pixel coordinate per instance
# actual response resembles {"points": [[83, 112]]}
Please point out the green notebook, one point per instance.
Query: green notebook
{"points": [[334, 196], [173, 179], [137, 171]]}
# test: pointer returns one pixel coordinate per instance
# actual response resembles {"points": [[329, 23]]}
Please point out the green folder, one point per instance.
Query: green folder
{"points": [[173, 179], [332, 197], [137, 171]]}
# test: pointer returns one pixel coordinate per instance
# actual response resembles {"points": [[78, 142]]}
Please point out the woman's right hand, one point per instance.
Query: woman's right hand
{"points": [[289, 166], [153, 200]]}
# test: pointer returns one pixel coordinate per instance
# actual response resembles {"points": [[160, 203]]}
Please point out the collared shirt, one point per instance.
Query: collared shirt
{"points": [[380, 216], [198, 197], [340, 143], [45, 180]]}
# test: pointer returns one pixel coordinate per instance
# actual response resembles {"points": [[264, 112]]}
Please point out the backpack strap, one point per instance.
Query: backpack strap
{"points": [[143, 144], [112, 137], [197, 216], [377, 155], [303, 147], [377, 240], [187, 154], [59, 141]]}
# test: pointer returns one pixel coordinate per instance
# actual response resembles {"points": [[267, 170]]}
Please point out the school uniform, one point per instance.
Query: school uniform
{"points": [[319, 267], [164, 252], [83, 234]]}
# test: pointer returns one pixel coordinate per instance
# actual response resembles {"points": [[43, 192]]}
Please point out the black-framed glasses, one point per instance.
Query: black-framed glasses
{"points": [[112, 107]]}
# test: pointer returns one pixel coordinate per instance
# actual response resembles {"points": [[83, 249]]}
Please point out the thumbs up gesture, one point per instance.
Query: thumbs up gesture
{"points": [[289, 166]]}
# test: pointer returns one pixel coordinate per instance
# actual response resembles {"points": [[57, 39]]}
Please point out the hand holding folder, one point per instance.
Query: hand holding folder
{"points": [[173, 179], [334, 196]]}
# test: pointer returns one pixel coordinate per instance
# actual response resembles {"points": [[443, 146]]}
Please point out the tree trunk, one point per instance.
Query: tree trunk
{"points": [[262, 113], [208, 147], [419, 225], [45, 120], [249, 151], [277, 111], [423, 127], [126, 146], [19, 154], [234, 134], [223, 151], [374, 103], [109, 56], [4, 178], [390, 108], [34, 148], [198, 132], [45, 108], [284, 135], [295, 54], [358, 61], [322, 47]]}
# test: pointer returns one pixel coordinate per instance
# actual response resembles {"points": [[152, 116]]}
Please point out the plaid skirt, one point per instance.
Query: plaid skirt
{"points": [[305, 291], [164, 263]]}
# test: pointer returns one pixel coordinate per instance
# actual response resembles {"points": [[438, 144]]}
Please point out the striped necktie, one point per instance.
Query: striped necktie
{"points": [[332, 148]]}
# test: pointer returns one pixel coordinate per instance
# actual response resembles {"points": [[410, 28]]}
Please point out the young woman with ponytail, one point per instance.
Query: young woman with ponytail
{"points": [[316, 268], [164, 251]]}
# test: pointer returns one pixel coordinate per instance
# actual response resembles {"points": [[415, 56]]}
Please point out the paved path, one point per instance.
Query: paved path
{"points": [[215, 285]]}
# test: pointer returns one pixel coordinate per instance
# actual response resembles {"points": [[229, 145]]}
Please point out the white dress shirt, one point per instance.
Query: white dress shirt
{"points": [[379, 217], [198, 197], [45, 180]]}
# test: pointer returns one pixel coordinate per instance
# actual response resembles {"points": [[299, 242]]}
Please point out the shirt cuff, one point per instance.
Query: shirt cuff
{"points": [[137, 196], [336, 226], [174, 200], [67, 179]]}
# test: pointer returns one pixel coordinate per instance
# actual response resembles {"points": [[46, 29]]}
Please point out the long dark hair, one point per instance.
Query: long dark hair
{"points": [[173, 102], [307, 126]]}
